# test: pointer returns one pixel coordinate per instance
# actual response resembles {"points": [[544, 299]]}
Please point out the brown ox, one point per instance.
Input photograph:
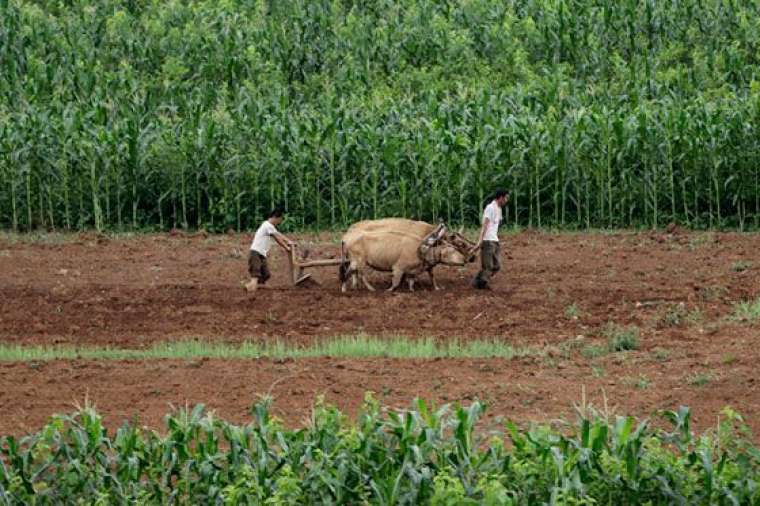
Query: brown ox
{"points": [[403, 254], [419, 229]]}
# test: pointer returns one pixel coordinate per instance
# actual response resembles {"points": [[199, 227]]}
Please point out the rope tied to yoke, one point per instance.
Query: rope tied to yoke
{"points": [[428, 243]]}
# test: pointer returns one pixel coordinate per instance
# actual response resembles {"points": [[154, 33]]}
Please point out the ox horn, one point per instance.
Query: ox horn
{"points": [[440, 231], [436, 235]]}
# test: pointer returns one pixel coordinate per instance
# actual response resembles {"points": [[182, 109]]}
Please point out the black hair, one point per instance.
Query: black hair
{"points": [[499, 193], [277, 212]]}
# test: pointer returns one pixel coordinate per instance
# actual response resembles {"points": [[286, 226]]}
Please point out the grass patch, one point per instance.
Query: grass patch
{"points": [[699, 379], [748, 311], [678, 315], [672, 315], [343, 347], [37, 237], [640, 383], [594, 351], [741, 266], [661, 354], [698, 241], [567, 347], [621, 338], [572, 312], [711, 293], [694, 316]]}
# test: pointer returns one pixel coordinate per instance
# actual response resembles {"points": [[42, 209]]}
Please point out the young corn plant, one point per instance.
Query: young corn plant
{"points": [[425, 454]]}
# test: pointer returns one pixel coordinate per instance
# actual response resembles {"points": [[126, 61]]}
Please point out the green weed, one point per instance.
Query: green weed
{"points": [[699, 379], [621, 338], [747, 311]]}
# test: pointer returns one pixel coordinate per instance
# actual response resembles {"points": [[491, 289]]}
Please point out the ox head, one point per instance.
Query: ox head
{"points": [[444, 253], [448, 254], [462, 244]]}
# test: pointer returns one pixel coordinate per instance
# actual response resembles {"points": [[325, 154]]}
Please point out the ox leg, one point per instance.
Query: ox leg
{"points": [[432, 280], [351, 273], [398, 276], [410, 280], [366, 282], [359, 269]]}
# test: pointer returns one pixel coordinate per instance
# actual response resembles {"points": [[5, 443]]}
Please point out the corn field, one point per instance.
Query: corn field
{"points": [[140, 114], [420, 456]]}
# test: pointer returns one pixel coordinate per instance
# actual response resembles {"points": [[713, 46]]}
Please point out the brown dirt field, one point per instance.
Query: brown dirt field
{"points": [[136, 291]]}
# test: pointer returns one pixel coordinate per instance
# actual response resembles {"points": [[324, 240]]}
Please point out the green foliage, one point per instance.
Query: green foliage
{"points": [[425, 455], [572, 312], [661, 354], [677, 315], [128, 114], [594, 351], [641, 383], [673, 315], [699, 379], [621, 338], [711, 293], [741, 266], [747, 311], [345, 346]]}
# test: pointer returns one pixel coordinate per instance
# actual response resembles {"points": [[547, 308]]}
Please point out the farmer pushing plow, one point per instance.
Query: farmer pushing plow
{"points": [[258, 266], [262, 243]]}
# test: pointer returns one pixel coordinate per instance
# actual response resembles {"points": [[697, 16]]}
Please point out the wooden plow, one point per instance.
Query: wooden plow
{"points": [[297, 266]]}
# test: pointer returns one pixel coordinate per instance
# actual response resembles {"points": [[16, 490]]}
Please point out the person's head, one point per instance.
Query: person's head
{"points": [[275, 217], [501, 197]]}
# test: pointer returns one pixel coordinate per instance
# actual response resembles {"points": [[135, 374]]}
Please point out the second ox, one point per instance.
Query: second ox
{"points": [[404, 247]]}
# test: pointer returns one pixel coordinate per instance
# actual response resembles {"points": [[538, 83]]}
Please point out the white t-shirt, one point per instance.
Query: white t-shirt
{"points": [[494, 215], [262, 241]]}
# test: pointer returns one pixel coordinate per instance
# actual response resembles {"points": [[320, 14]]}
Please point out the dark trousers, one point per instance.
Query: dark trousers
{"points": [[489, 263], [257, 267]]}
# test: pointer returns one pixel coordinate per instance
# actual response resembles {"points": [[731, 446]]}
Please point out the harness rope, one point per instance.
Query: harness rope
{"points": [[425, 249]]}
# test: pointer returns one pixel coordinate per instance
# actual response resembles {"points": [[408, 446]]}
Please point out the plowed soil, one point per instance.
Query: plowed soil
{"points": [[555, 293]]}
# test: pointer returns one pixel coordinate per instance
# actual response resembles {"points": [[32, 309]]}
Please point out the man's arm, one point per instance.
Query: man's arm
{"points": [[283, 241], [483, 228]]}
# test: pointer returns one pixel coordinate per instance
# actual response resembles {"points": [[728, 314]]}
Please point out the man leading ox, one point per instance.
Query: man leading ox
{"points": [[488, 242]]}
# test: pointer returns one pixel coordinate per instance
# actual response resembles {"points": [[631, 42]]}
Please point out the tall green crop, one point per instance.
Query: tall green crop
{"points": [[126, 114]]}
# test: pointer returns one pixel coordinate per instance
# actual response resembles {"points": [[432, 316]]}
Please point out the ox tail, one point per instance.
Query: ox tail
{"points": [[344, 265]]}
